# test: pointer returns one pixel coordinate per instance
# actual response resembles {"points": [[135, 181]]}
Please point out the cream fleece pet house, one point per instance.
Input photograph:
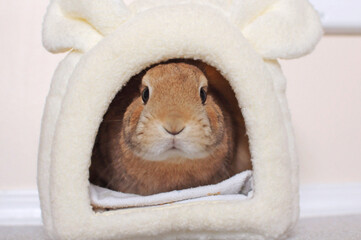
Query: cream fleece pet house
{"points": [[108, 43]]}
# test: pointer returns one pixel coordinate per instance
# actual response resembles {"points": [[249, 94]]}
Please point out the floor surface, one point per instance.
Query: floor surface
{"points": [[326, 228]]}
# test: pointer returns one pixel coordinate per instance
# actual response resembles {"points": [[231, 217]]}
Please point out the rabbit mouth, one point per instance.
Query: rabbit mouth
{"points": [[176, 144], [179, 148], [173, 148]]}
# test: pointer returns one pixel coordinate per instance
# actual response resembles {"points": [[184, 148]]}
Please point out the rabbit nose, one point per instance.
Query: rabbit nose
{"points": [[174, 132], [173, 126]]}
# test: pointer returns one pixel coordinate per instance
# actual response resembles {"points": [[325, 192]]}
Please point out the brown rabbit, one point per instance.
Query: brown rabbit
{"points": [[172, 133]]}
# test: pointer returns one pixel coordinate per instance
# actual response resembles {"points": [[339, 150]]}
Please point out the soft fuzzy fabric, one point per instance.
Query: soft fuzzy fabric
{"points": [[110, 43]]}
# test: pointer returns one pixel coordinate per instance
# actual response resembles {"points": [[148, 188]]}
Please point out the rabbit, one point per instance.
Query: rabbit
{"points": [[167, 130]]}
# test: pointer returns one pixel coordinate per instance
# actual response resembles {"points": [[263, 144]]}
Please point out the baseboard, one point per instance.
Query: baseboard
{"points": [[19, 208], [23, 207], [331, 199]]}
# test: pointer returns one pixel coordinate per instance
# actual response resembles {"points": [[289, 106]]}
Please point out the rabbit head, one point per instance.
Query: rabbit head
{"points": [[175, 115]]}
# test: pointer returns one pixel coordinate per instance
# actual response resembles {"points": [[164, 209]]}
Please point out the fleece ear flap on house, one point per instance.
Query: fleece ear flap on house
{"points": [[278, 28], [81, 24]]}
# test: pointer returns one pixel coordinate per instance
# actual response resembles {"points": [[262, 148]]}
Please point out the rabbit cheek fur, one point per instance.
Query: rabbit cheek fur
{"points": [[141, 157]]}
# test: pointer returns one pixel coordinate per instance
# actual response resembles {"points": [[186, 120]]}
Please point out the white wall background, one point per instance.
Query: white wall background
{"points": [[324, 95], [324, 92]]}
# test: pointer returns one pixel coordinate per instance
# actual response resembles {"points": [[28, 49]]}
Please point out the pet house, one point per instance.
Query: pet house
{"points": [[108, 42]]}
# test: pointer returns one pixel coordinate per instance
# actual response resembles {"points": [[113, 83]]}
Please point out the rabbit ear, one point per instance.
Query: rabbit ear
{"points": [[80, 24], [278, 28]]}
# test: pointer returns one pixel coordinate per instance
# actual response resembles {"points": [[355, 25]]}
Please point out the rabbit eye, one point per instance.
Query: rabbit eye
{"points": [[203, 95], [145, 95]]}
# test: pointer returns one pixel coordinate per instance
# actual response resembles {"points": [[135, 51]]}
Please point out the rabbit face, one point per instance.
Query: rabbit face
{"points": [[175, 117]]}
